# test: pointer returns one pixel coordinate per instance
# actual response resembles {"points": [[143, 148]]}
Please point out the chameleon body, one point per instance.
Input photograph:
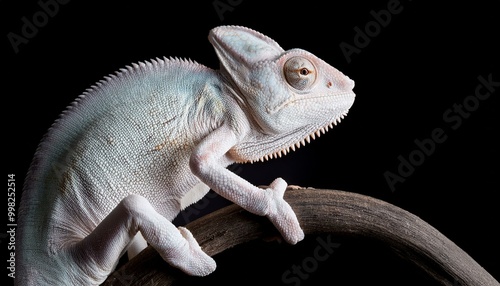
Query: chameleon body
{"points": [[141, 145]]}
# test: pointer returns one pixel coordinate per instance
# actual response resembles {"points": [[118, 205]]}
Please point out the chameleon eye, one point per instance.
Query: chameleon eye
{"points": [[299, 72]]}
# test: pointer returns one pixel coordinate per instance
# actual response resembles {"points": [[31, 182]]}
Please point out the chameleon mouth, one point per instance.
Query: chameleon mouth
{"points": [[307, 139]]}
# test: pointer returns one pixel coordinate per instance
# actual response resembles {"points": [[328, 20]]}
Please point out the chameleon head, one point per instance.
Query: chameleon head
{"points": [[288, 93]]}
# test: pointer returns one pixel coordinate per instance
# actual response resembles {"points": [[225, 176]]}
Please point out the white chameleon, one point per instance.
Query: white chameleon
{"points": [[141, 145]]}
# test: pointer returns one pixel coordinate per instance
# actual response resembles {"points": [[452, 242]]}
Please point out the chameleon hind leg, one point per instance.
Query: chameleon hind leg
{"points": [[99, 252]]}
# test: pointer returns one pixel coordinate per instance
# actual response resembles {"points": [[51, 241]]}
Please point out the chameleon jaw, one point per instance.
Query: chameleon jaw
{"points": [[307, 139]]}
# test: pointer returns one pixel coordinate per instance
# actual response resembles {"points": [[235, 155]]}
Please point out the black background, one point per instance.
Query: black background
{"points": [[425, 60]]}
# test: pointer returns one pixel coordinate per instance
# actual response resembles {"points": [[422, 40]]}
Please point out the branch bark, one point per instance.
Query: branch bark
{"points": [[322, 211]]}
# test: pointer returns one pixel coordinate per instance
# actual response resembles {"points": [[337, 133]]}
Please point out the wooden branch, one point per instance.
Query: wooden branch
{"points": [[322, 211]]}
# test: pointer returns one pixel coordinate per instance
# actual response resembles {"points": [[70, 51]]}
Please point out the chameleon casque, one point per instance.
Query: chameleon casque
{"points": [[141, 145]]}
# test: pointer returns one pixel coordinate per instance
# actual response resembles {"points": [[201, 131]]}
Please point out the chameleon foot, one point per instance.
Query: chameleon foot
{"points": [[190, 258], [281, 214]]}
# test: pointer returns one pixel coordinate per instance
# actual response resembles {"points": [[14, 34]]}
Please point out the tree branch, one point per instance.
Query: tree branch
{"points": [[322, 211]]}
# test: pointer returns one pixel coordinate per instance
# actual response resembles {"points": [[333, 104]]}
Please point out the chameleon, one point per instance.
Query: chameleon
{"points": [[142, 144]]}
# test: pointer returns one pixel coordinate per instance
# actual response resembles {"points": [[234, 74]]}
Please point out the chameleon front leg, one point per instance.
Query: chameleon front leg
{"points": [[207, 163], [98, 253]]}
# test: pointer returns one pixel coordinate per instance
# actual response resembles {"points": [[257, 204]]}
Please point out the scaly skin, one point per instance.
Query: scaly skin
{"points": [[141, 145]]}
